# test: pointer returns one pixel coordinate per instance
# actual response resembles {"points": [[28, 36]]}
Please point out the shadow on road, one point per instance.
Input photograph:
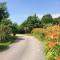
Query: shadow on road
{"points": [[20, 38], [5, 47]]}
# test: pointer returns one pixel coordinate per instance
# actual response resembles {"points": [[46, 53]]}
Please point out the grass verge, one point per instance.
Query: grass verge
{"points": [[4, 46]]}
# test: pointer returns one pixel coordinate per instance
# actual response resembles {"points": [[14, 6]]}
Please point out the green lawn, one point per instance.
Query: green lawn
{"points": [[6, 43], [4, 46]]}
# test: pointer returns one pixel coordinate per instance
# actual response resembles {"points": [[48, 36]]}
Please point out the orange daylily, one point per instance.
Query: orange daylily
{"points": [[53, 33], [58, 58], [51, 44]]}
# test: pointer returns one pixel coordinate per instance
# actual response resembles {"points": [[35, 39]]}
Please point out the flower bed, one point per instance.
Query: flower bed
{"points": [[52, 41]]}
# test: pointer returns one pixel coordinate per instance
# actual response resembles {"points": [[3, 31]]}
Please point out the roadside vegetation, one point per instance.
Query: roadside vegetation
{"points": [[6, 28], [50, 36]]}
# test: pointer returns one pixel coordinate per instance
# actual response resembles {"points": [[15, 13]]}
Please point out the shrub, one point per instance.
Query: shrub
{"points": [[5, 32]]}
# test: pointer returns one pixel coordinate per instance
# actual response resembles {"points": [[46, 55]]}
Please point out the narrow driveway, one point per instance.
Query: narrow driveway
{"points": [[26, 48]]}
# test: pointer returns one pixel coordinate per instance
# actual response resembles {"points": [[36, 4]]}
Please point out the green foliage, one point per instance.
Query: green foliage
{"points": [[5, 31], [47, 25], [35, 22], [14, 28], [47, 19], [39, 35], [6, 22], [29, 24], [52, 53], [56, 20], [3, 11], [6, 25], [4, 46]]}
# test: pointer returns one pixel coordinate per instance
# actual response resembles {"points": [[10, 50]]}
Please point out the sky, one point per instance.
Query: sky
{"points": [[19, 10]]}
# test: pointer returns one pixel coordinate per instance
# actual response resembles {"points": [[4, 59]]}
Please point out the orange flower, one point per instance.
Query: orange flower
{"points": [[51, 44], [53, 33], [58, 58], [56, 37]]}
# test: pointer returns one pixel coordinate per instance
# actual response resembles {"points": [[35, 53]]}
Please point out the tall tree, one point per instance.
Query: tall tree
{"points": [[5, 29], [30, 23], [3, 11], [56, 20], [14, 27], [6, 22], [46, 19]]}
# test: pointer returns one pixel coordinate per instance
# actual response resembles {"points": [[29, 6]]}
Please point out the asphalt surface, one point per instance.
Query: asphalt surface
{"points": [[25, 48]]}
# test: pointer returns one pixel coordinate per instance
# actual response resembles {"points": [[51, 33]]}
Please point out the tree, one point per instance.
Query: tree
{"points": [[30, 23], [33, 21], [5, 24], [5, 32], [3, 11], [14, 27], [46, 19], [56, 20]]}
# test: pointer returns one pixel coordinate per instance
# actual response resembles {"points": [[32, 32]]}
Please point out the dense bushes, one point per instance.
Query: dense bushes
{"points": [[5, 32]]}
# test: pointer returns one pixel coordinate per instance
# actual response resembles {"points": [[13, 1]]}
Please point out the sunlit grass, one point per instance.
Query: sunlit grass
{"points": [[23, 35]]}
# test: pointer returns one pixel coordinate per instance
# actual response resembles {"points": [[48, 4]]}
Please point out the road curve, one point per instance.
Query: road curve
{"points": [[26, 48]]}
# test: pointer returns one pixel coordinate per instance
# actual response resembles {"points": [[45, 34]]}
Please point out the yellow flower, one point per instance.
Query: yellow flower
{"points": [[51, 37], [49, 54]]}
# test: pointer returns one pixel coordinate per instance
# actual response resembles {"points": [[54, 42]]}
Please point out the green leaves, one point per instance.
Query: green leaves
{"points": [[14, 27], [3, 11], [30, 23], [5, 30], [47, 19]]}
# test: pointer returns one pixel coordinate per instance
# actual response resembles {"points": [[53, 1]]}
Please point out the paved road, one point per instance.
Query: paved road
{"points": [[26, 48]]}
